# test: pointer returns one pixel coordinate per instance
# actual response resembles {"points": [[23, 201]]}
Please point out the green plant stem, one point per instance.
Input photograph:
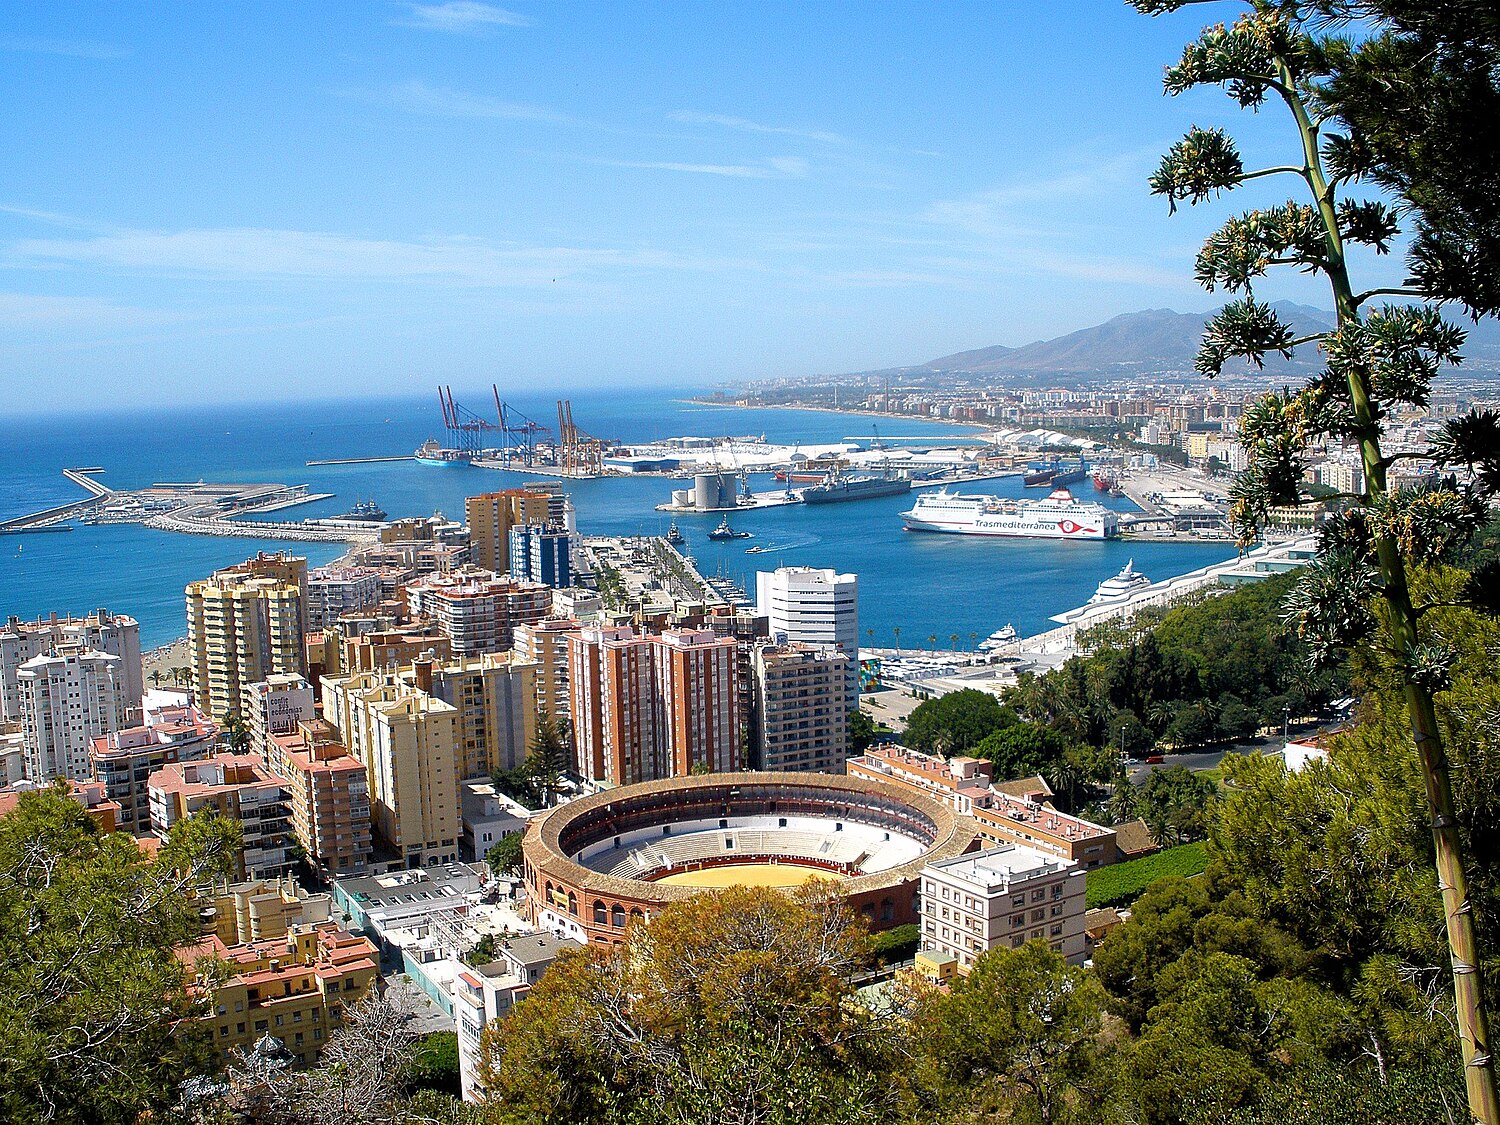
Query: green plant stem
{"points": [[1473, 1023]]}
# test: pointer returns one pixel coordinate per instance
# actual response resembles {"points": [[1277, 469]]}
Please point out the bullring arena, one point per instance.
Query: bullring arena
{"points": [[596, 864]]}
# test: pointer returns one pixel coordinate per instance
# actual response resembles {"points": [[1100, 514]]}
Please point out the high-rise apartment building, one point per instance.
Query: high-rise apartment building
{"points": [[68, 698], [802, 723], [408, 742], [245, 623], [495, 696], [695, 681], [478, 615], [542, 553], [275, 706], [330, 796], [648, 707], [333, 591], [545, 644], [125, 759], [238, 786], [490, 519], [100, 631], [814, 607]]}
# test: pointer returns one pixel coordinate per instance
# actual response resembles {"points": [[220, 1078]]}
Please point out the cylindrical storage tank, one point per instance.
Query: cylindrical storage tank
{"points": [[682, 497], [706, 491]]}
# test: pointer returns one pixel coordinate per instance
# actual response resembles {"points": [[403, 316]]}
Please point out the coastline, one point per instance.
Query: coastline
{"points": [[980, 426]]}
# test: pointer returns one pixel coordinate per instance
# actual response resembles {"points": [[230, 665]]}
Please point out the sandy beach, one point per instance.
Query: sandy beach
{"points": [[163, 660]]}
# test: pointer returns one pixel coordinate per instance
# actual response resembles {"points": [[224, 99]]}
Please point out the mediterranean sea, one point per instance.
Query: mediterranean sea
{"points": [[927, 586]]}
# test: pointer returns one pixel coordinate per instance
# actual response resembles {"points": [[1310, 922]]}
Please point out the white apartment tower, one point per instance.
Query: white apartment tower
{"points": [[814, 607], [68, 698], [100, 631]]}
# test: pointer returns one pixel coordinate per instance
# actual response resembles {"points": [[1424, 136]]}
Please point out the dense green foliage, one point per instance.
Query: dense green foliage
{"points": [[504, 856], [434, 1064], [863, 731], [1215, 671], [955, 723], [536, 782], [898, 943], [1120, 884], [1174, 802], [90, 989], [733, 1007]]}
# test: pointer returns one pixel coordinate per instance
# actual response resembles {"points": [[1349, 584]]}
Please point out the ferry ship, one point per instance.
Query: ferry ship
{"points": [[1127, 581], [1057, 517]]}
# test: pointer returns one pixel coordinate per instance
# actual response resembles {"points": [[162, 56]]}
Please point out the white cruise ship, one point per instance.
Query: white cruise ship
{"points": [[1057, 517], [1128, 581]]}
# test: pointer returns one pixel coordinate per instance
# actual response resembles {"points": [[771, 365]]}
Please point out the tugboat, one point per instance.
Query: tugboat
{"points": [[366, 510], [674, 536], [724, 531]]}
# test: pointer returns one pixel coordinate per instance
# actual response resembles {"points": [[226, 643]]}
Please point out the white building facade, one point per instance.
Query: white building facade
{"points": [[67, 699], [813, 607], [1002, 898]]}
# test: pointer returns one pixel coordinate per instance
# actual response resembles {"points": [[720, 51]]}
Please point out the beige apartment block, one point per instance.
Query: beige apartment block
{"points": [[245, 623], [408, 742], [490, 518], [799, 699], [545, 644], [495, 696]]}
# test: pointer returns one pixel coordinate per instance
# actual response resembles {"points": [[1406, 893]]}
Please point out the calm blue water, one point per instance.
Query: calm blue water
{"points": [[923, 584]]}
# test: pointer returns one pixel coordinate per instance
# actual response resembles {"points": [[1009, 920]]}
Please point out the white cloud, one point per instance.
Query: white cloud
{"points": [[71, 48], [254, 254], [22, 311], [464, 17], [438, 101], [771, 168], [746, 126]]}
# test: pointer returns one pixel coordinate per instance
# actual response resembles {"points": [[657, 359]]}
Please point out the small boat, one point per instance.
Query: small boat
{"points": [[998, 639], [674, 534], [724, 531], [1128, 581], [758, 550]]}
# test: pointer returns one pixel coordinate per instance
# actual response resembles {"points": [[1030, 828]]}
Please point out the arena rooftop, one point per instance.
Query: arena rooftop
{"points": [[597, 863]]}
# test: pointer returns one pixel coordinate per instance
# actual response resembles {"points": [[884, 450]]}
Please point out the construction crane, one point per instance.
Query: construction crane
{"points": [[466, 429], [518, 433], [578, 454]]}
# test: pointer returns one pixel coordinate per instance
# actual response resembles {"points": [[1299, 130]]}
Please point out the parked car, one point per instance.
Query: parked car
{"points": [[1155, 760]]}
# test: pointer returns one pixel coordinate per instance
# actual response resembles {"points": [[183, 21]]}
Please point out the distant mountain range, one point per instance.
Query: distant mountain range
{"points": [[1161, 340]]}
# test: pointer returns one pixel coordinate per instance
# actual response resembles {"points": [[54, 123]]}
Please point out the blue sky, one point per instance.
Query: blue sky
{"points": [[244, 200]]}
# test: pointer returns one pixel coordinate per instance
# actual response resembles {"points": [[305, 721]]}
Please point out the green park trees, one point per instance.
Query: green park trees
{"points": [[1378, 358], [92, 997], [733, 1007]]}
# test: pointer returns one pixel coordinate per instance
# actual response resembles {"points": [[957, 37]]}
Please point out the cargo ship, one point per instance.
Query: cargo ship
{"points": [[1059, 516], [431, 453], [839, 488]]}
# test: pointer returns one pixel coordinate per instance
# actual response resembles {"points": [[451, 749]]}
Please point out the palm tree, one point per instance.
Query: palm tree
{"points": [[897, 630], [870, 636], [932, 643], [973, 642], [954, 638], [156, 676]]}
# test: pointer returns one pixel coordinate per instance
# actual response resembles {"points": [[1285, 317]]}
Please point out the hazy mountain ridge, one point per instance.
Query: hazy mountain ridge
{"points": [[1165, 340]]}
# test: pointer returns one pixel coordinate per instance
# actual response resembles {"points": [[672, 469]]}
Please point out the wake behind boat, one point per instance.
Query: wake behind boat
{"points": [[1059, 516]]}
